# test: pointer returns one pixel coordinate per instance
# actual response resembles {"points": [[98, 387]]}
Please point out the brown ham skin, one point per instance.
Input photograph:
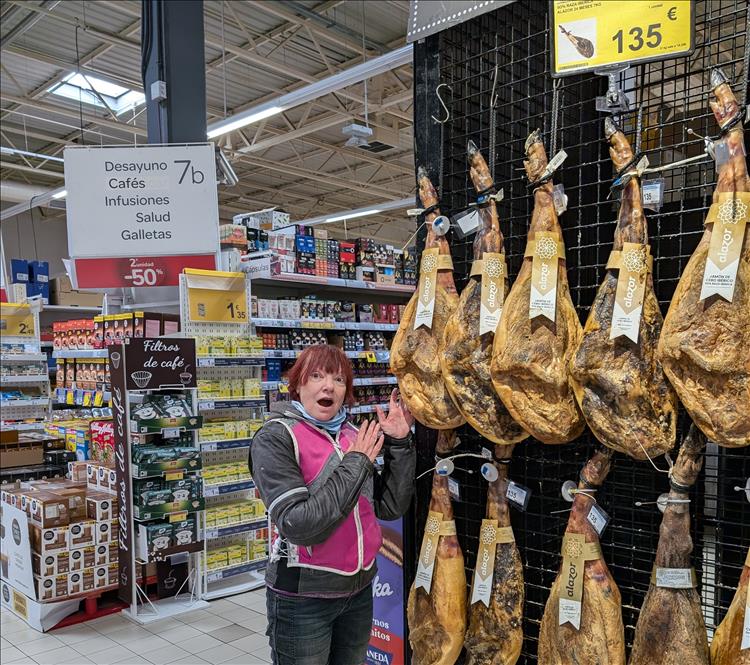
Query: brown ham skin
{"points": [[530, 358], [670, 628], [466, 355], [705, 345], [601, 638], [437, 621], [495, 634], [620, 386], [725, 647], [415, 354]]}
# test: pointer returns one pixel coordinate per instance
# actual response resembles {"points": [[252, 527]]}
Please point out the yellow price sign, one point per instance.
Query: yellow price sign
{"points": [[218, 306], [283, 388], [178, 517], [16, 320], [174, 475], [592, 34], [371, 358]]}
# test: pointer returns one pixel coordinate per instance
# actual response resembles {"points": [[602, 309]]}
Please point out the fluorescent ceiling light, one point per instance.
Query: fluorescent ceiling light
{"points": [[60, 195], [353, 215], [15, 151], [243, 120], [77, 86], [307, 93], [373, 209]]}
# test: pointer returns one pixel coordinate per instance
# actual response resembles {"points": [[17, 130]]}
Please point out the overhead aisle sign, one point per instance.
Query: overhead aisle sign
{"points": [[593, 34], [138, 215]]}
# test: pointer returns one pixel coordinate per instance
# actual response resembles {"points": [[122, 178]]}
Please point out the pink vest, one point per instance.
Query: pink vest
{"points": [[355, 542]]}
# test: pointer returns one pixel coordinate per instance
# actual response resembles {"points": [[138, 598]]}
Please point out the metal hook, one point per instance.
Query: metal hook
{"points": [[493, 94], [442, 103]]}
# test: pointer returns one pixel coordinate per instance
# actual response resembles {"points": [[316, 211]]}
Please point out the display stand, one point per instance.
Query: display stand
{"points": [[143, 368], [215, 309], [23, 368]]}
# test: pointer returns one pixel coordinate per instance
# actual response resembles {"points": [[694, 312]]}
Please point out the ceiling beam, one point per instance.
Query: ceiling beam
{"points": [[73, 113]]}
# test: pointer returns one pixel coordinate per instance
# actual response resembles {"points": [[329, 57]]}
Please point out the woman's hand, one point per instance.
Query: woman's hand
{"points": [[398, 422], [369, 440]]}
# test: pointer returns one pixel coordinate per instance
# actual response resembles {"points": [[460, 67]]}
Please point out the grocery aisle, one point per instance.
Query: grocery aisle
{"points": [[227, 631]]}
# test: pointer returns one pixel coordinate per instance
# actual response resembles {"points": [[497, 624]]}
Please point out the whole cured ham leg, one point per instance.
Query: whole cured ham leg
{"points": [[619, 383], [530, 357], [600, 639], [495, 633], [684, 642], [437, 619], [466, 351], [725, 648], [415, 354], [705, 344]]}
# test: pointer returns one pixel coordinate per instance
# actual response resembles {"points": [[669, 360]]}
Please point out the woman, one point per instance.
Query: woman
{"points": [[315, 472]]}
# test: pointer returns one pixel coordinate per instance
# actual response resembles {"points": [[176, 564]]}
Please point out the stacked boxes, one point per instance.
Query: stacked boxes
{"points": [[239, 512], [304, 244], [347, 260], [74, 536], [34, 275], [409, 265], [268, 219], [217, 474], [239, 553], [208, 346], [220, 430]]}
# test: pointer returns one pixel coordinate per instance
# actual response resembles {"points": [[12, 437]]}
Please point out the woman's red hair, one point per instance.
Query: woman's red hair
{"points": [[325, 358]]}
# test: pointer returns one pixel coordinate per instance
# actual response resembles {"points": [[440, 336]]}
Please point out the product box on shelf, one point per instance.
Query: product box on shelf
{"points": [[51, 588], [63, 293], [48, 540], [19, 271], [50, 564]]}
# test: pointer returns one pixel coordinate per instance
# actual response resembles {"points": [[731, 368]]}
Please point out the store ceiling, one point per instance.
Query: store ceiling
{"points": [[254, 52]]}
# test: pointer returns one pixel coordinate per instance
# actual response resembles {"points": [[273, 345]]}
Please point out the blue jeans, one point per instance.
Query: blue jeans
{"points": [[319, 631]]}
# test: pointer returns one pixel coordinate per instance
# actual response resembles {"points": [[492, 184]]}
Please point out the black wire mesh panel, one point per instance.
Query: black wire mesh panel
{"points": [[666, 98]]}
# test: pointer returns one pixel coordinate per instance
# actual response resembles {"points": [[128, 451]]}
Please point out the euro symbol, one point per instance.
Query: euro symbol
{"points": [[672, 14]]}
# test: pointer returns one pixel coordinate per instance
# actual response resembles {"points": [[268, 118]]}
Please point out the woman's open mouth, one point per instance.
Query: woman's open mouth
{"points": [[325, 402]]}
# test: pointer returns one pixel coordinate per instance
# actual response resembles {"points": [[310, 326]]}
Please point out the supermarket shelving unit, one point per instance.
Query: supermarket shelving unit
{"points": [[133, 566], [247, 574], [300, 286], [23, 366]]}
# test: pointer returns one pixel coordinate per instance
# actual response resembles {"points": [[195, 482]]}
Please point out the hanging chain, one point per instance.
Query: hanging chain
{"points": [[556, 103]]}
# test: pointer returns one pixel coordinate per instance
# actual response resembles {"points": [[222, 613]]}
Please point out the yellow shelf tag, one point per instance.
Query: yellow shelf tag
{"points": [[218, 306], [16, 320], [178, 517], [371, 358], [174, 475]]}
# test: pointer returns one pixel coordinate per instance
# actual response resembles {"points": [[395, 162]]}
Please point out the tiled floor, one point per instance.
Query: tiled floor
{"points": [[227, 631]]}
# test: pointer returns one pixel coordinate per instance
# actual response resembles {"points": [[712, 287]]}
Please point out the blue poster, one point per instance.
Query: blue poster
{"points": [[387, 639]]}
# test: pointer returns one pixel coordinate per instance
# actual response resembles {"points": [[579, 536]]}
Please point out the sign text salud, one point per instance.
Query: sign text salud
{"points": [[136, 202]]}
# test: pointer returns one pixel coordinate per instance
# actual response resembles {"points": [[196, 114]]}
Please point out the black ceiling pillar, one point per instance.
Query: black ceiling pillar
{"points": [[172, 51]]}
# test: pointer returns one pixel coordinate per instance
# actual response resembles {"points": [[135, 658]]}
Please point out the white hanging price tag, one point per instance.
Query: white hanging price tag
{"points": [[518, 495], [652, 193], [454, 489], [674, 578], [466, 223], [559, 198], [556, 162], [598, 518]]}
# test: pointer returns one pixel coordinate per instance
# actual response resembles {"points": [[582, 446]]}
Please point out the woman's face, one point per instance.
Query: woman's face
{"points": [[323, 394]]}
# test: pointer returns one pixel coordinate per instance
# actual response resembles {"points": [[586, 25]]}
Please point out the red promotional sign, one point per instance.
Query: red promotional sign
{"points": [[120, 272]]}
